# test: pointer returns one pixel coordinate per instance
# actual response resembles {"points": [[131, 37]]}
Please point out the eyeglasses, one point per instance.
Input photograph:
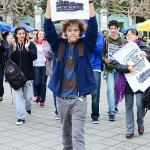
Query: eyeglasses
{"points": [[130, 34]]}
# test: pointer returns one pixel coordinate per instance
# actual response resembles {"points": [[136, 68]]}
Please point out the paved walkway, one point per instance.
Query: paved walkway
{"points": [[41, 132]]}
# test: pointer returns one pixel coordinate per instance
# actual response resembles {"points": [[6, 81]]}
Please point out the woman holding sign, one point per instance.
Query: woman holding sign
{"points": [[131, 35], [72, 78]]}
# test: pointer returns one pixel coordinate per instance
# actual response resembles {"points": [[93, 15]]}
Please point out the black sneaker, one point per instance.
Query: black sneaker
{"points": [[141, 130], [1, 98], [29, 112], [116, 110], [129, 135], [20, 122], [95, 121], [111, 118]]}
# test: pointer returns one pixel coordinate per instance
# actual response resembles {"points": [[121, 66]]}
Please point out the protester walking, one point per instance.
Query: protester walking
{"points": [[116, 41], [132, 35], [72, 78], [49, 65], [23, 53], [2, 67], [97, 66], [40, 77], [105, 33]]}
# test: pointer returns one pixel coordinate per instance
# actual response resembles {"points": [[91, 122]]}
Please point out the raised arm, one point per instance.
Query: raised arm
{"points": [[91, 33], [48, 10], [91, 8]]}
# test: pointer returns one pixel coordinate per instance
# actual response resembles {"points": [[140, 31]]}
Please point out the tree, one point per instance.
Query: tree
{"points": [[133, 8], [17, 9]]}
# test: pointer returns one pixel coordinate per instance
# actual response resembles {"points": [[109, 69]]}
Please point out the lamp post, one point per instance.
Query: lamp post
{"points": [[38, 15], [103, 15]]}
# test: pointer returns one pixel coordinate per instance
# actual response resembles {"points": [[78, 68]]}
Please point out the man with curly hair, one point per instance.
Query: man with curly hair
{"points": [[72, 78]]}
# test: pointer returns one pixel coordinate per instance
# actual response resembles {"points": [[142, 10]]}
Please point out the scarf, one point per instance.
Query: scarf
{"points": [[120, 86], [43, 48], [138, 42]]}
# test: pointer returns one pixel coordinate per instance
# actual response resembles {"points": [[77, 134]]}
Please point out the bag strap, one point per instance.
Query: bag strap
{"points": [[80, 48], [20, 47], [61, 51]]}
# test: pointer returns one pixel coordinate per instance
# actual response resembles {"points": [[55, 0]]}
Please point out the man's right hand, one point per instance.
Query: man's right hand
{"points": [[107, 60]]}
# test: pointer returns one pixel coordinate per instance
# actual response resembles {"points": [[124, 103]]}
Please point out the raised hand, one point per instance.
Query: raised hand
{"points": [[14, 45], [27, 45]]}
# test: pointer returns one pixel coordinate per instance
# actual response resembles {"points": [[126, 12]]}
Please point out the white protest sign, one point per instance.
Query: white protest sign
{"points": [[130, 55], [112, 49], [69, 9]]}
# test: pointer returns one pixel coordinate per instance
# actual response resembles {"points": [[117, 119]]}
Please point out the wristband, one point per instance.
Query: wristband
{"points": [[91, 1]]}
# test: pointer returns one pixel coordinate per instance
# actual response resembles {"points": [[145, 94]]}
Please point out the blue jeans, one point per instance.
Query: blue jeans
{"points": [[56, 112], [40, 79], [129, 102], [1, 81], [111, 79], [104, 70], [96, 96]]}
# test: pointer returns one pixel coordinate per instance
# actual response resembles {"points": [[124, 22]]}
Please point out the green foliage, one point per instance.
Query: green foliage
{"points": [[43, 6]]}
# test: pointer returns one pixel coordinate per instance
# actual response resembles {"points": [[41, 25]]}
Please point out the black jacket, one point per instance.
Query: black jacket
{"points": [[124, 69], [2, 55], [26, 57]]}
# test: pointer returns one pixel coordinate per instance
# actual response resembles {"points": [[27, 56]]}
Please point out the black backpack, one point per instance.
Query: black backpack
{"points": [[14, 75], [146, 99]]}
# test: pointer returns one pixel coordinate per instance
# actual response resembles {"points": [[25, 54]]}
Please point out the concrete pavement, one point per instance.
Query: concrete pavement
{"points": [[41, 132]]}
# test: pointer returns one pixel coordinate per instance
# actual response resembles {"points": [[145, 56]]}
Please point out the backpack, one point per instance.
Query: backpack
{"points": [[146, 99], [14, 75]]}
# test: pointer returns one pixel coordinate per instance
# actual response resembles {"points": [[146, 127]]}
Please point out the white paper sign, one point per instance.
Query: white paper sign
{"points": [[112, 49], [130, 54], [69, 9]]}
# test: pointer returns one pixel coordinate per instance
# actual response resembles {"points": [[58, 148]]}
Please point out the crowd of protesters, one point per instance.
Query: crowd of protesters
{"points": [[64, 52]]}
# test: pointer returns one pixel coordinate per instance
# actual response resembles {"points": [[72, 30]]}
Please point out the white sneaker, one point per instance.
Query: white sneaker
{"points": [[57, 117], [95, 121], [20, 122]]}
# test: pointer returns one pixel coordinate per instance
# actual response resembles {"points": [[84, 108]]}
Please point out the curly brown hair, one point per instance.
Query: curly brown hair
{"points": [[66, 23]]}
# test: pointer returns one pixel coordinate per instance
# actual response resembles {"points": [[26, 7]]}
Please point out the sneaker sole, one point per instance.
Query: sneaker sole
{"points": [[56, 118], [95, 122], [20, 123], [111, 119]]}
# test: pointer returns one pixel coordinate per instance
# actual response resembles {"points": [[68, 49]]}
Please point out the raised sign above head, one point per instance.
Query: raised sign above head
{"points": [[69, 9]]}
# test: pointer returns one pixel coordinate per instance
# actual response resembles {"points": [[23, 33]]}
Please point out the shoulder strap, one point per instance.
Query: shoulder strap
{"points": [[62, 48], [80, 48], [106, 43], [61, 51], [122, 42]]}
